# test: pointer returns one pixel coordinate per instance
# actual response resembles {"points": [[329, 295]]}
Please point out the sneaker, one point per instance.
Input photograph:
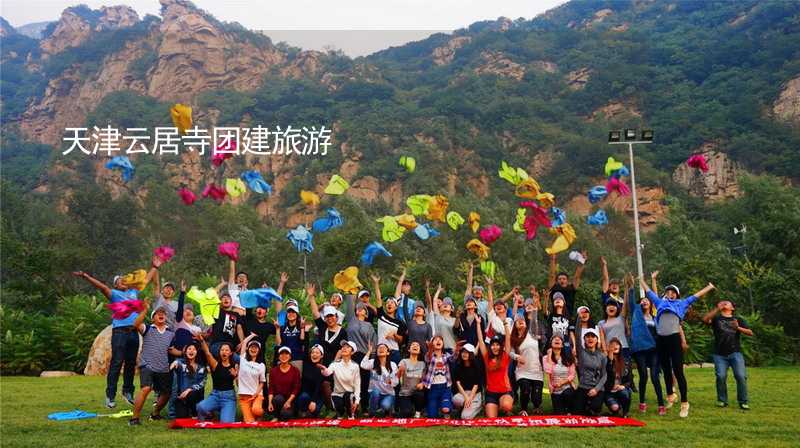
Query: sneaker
{"points": [[538, 411], [523, 414], [417, 414], [642, 407], [134, 422], [671, 399], [722, 404], [662, 411], [128, 397], [110, 403], [744, 406], [155, 417], [684, 410]]}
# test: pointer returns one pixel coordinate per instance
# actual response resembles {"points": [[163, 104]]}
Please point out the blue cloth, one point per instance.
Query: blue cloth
{"points": [[599, 218], [425, 231], [405, 308], [596, 194], [301, 239], [256, 182], [736, 362], [371, 251], [262, 297], [121, 296], [559, 217], [77, 414], [123, 164], [332, 220], [624, 171], [222, 401], [641, 337], [677, 307]]}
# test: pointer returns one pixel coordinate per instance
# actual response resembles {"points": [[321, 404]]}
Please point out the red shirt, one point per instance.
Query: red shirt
{"points": [[284, 383], [497, 373]]}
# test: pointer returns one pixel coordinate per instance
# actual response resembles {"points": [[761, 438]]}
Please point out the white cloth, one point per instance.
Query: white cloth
{"points": [[250, 374], [234, 290], [529, 352]]}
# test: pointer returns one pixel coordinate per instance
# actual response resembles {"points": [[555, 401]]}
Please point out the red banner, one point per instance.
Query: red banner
{"points": [[511, 422]]}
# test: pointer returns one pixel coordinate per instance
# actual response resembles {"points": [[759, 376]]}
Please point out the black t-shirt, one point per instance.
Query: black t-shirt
{"points": [[329, 340], [311, 379], [262, 329], [224, 328], [569, 296], [726, 337], [223, 380], [468, 376]]}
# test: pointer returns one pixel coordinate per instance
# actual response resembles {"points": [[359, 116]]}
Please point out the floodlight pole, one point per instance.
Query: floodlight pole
{"points": [[639, 265]]}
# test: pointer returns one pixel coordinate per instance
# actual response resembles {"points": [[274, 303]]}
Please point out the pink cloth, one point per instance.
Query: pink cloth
{"points": [[617, 185], [230, 250], [187, 196], [698, 161], [121, 310], [490, 234], [537, 217], [219, 157], [216, 193], [164, 253]]}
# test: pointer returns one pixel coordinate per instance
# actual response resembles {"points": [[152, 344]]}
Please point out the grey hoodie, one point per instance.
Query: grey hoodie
{"points": [[591, 368]]}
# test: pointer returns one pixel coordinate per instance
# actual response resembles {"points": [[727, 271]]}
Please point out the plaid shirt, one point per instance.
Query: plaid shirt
{"points": [[432, 361]]}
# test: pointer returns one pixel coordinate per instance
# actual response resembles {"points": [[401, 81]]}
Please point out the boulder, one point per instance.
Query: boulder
{"points": [[100, 354], [56, 373], [719, 183]]}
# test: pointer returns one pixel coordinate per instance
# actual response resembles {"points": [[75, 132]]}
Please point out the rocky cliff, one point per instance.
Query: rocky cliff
{"points": [[719, 183]]}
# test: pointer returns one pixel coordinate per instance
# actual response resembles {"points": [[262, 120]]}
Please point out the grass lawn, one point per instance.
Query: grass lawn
{"points": [[773, 421]]}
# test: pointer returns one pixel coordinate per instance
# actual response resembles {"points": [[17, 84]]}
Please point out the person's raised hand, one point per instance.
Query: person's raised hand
{"points": [[183, 285], [284, 277], [311, 289], [375, 277], [79, 274]]}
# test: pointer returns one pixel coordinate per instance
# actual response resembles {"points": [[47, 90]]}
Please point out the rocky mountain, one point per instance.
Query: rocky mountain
{"points": [[540, 92]]}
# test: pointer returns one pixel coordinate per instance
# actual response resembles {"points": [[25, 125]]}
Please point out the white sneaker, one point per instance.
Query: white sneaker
{"points": [[417, 414], [684, 410], [671, 399]]}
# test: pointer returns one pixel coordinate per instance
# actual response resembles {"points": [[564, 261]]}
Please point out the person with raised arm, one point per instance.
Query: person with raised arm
{"points": [[496, 361], [384, 377], [154, 363], [361, 331], [441, 317], [475, 294], [670, 311], [391, 329], [610, 288], [559, 283], [727, 352], [124, 336], [438, 379], [223, 375], [406, 305]]}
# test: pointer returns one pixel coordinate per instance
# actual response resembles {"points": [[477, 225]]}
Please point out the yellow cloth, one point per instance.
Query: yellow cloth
{"points": [[392, 231], [347, 280], [566, 236], [235, 187], [181, 117], [337, 185], [136, 279], [454, 220], [520, 221], [474, 221], [207, 301], [309, 198], [479, 249], [409, 163], [511, 174], [437, 208], [528, 188], [407, 221], [488, 268], [418, 203], [546, 200], [612, 165]]}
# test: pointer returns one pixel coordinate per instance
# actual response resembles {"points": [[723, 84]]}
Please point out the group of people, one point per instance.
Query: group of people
{"points": [[363, 353]]}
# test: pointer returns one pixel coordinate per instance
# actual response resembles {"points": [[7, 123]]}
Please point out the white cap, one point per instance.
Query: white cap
{"points": [[285, 349], [293, 308], [318, 347], [583, 307], [589, 331], [469, 347], [363, 293], [328, 310], [351, 344]]}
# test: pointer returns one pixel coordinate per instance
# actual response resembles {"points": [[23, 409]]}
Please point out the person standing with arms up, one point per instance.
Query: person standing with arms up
{"points": [[727, 328]]}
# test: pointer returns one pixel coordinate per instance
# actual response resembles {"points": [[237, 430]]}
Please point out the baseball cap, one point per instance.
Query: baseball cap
{"points": [[558, 296], [319, 347], [590, 331], [285, 349], [170, 284], [447, 301], [160, 308], [255, 342], [583, 308], [363, 293], [350, 343], [361, 306], [469, 347], [674, 288], [328, 311], [293, 308]]}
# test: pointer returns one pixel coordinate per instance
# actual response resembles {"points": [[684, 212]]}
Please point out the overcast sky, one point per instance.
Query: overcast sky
{"points": [[408, 19]]}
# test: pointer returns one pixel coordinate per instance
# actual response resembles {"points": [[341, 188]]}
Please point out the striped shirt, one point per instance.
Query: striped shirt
{"points": [[155, 345]]}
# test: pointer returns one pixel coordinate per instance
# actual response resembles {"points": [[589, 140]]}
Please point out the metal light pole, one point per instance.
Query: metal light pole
{"points": [[630, 139]]}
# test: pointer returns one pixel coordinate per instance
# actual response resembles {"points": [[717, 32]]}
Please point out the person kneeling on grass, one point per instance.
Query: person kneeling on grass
{"points": [[284, 386], [382, 381], [592, 374], [188, 382], [728, 351], [251, 379], [346, 381], [619, 379], [154, 365], [223, 373]]}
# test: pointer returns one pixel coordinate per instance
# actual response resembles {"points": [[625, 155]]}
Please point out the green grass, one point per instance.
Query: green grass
{"points": [[773, 421]]}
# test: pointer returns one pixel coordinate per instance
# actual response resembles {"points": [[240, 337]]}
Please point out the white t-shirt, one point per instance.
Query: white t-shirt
{"points": [[346, 378], [234, 290], [529, 351], [250, 374]]}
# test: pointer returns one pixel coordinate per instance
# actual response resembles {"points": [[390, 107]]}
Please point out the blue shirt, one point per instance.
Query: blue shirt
{"points": [[121, 296], [677, 307]]}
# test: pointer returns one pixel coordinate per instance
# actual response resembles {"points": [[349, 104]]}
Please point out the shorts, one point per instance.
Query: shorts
{"points": [[161, 382], [494, 397]]}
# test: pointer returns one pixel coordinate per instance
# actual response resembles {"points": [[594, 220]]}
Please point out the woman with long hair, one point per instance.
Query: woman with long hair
{"points": [[411, 395], [188, 382], [619, 379], [670, 311], [251, 380], [382, 381], [643, 344], [468, 379], [438, 379], [560, 368], [223, 374], [496, 360], [529, 373], [312, 396]]}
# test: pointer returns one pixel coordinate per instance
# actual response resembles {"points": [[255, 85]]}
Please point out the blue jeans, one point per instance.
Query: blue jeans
{"points": [[439, 397], [304, 399], [384, 402], [736, 362], [124, 348], [222, 401]]}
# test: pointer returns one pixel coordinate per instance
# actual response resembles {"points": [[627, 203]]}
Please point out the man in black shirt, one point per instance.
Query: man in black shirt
{"points": [[728, 351], [256, 321], [560, 283]]}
